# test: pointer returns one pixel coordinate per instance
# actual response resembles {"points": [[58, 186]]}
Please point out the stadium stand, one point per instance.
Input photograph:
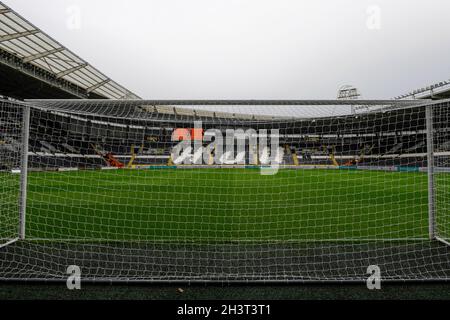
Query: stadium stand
{"points": [[340, 140]]}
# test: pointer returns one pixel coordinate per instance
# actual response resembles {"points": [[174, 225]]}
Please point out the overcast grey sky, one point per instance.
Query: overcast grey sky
{"points": [[229, 49]]}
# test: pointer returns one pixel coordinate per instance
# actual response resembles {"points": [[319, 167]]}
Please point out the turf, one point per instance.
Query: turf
{"points": [[226, 205], [430, 291]]}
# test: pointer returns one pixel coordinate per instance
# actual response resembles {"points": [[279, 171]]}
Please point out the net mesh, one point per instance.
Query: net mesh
{"points": [[235, 191]]}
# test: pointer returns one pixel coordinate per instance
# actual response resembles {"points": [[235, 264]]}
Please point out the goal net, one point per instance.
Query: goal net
{"points": [[224, 190]]}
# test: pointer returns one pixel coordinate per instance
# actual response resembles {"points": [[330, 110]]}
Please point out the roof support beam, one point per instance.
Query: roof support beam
{"points": [[71, 70], [13, 36], [41, 55], [98, 85], [2, 11]]}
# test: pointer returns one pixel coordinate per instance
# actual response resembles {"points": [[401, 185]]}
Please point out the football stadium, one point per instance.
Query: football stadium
{"points": [[212, 191]]}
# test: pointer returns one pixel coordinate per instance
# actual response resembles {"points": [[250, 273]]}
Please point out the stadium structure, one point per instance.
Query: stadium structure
{"points": [[155, 190], [437, 91], [33, 66]]}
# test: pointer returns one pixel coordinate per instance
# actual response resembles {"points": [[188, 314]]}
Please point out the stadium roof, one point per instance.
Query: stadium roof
{"points": [[436, 91], [250, 110], [39, 63]]}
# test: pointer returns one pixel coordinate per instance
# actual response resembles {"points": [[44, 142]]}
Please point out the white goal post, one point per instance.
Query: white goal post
{"points": [[224, 191]]}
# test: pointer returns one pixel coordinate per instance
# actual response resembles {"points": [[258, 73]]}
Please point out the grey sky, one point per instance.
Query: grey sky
{"points": [[227, 49]]}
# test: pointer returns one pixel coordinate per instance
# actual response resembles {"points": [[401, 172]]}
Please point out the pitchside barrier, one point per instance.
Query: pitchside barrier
{"points": [[224, 191]]}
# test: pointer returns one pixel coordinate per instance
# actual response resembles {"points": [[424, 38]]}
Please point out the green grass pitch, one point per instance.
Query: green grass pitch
{"points": [[206, 205]]}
